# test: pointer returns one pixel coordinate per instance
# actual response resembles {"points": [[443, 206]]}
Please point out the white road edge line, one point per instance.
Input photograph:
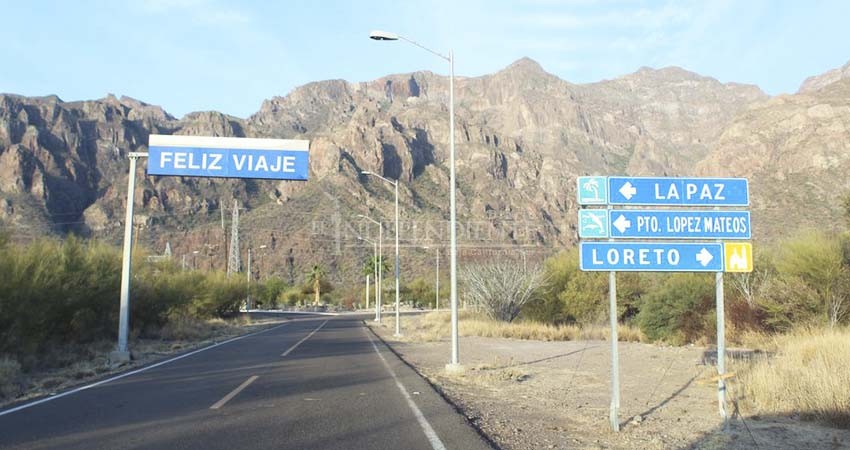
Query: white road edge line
{"points": [[127, 374], [435, 441], [233, 393], [302, 340]]}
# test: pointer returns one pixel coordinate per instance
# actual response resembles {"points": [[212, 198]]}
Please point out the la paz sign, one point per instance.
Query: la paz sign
{"points": [[228, 157]]}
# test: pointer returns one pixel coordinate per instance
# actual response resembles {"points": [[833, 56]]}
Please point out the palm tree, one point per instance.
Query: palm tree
{"points": [[315, 276], [370, 266], [592, 185]]}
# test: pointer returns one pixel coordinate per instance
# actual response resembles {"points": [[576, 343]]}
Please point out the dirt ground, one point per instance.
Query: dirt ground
{"points": [[538, 395]]}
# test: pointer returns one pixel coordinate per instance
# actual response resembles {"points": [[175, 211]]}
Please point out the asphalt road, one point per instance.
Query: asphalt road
{"points": [[314, 383]]}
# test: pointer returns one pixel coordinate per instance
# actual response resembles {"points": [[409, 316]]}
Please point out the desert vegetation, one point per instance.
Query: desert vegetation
{"points": [[59, 304], [795, 308]]}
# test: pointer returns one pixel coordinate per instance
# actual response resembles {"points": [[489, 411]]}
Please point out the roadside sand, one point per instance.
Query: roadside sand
{"points": [[537, 395]]}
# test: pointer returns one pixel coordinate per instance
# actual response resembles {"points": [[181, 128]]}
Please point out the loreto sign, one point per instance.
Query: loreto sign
{"points": [[228, 157]]}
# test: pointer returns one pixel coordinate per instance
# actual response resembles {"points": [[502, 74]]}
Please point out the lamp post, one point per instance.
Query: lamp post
{"points": [[387, 36], [436, 277], [379, 266], [377, 278], [397, 316]]}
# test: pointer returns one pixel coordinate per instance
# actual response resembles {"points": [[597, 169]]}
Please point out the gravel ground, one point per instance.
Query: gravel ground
{"points": [[538, 395]]}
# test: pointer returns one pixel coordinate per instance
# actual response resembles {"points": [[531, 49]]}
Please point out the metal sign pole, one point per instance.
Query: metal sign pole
{"points": [[123, 354], [721, 346], [615, 357]]}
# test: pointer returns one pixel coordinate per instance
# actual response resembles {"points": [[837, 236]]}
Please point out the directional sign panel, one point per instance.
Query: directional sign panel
{"points": [[201, 156], [592, 190], [593, 223], [678, 191], [651, 257], [678, 224]]}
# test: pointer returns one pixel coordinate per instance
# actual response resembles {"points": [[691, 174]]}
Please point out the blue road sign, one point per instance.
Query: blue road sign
{"points": [[592, 190], [678, 191], [593, 223], [677, 224], [200, 156], [651, 257]]}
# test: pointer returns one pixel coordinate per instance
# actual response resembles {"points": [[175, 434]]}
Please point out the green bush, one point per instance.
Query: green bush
{"points": [[813, 269], [269, 293], [419, 292], [573, 296], [55, 293], [679, 311]]}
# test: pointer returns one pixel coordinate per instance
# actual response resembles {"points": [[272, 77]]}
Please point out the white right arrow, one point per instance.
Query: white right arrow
{"points": [[622, 224], [704, 257], [628, 190]]}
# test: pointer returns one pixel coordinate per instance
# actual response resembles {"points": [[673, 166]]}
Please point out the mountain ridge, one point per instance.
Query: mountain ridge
{"points": [[523, 135]]}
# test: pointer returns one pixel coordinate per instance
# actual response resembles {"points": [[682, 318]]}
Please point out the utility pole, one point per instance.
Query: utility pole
{"points": [[223, 233], [248, 273], [437, 305], [234, 263]]}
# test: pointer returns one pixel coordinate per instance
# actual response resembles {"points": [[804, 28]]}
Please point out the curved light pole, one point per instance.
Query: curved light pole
{"points": [[395, 184], [388, 36], [379, 267]]}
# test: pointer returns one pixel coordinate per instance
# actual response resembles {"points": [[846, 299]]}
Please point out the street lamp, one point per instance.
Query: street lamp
{"points": [[437, 277], [395, 184], [387, 36], [377, 278], [379, 265]]}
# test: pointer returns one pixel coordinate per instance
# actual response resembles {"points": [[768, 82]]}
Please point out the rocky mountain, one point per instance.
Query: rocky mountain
{"points": [[818, 82], [523, 135]]}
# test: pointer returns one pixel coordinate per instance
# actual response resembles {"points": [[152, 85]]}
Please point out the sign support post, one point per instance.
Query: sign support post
{"points": [[721, 345], [615, 357], [122, 354]]}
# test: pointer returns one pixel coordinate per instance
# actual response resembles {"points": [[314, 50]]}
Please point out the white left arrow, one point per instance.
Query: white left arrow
{"points": [[622, 224], [704, 257], [628, 191]]}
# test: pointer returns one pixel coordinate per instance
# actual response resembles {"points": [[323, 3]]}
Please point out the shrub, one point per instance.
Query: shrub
{"points": [[816, 264], [572, 296], [677, 310], [420, 291], [270, 291], [501, 289]]}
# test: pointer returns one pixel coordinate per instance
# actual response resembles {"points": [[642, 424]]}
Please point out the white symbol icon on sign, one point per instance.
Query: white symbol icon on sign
{"points": [[592, 186], [738, 260], [628, 190], [595, 223], [704, 257]]}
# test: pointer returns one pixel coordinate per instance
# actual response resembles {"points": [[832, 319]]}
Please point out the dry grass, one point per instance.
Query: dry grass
{"points": [[809, 376], [436, 326]]}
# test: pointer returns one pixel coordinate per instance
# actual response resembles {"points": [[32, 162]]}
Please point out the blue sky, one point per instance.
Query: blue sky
{"points": [[190, 55]]}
